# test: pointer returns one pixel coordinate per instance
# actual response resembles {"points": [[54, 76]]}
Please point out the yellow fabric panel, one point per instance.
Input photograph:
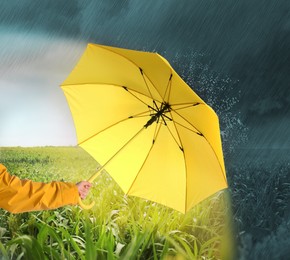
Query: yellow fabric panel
{"points": [[100, 65], [162, 177], [204, 174], [97, 107], [171, 127], [154, 68], [129, 157], [180, 92], [19, 196], [204, 120]]}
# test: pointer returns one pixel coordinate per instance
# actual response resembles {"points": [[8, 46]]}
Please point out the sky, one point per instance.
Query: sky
{"points": [[246, 41], [33, 109]]}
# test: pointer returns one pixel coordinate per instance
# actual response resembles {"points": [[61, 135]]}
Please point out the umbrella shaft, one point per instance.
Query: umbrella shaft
{"points": [[165, 107]]}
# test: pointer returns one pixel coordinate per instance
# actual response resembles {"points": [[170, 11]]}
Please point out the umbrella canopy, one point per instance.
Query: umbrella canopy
{"points": [[151, 132]]}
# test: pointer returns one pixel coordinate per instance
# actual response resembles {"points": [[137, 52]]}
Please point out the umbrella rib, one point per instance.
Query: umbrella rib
{"points": [[184, 153], [179, 144], [200, 133], [146, 83], [116, 153], [169, 84], [145, 160], [196, 132], [129, 91], [186, 105], [174, 123], [141, 70], [156, 132], [185, 162], [142, 114], [108, 84]]}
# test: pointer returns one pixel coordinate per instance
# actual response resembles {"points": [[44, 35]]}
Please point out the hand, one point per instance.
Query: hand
{"points": [[83, 188]]}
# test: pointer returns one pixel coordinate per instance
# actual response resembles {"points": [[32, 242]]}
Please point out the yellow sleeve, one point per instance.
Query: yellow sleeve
{"points": [[25, 195]]}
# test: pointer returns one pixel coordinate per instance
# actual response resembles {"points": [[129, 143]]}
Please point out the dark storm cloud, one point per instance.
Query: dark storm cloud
{"points": [[102, 11], [102, 21], [71, 18], [45, 15], [265, 76], [245, 39]]}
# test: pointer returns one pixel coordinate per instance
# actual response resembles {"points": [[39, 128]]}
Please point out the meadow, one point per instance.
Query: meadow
{"points": [[118, 227]]}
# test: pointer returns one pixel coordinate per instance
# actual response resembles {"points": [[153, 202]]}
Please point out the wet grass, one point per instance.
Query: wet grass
{"points": [[118, 227], [260, 192]]}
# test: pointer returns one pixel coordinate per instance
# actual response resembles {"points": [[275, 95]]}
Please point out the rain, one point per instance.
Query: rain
{"points": [[234, 54]]}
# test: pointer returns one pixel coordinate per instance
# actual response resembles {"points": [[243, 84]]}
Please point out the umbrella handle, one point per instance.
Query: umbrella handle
{"points": [[85, 206], [91, 179]]}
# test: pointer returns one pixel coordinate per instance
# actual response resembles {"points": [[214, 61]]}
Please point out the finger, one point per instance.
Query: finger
{"points": [[84, 193]]}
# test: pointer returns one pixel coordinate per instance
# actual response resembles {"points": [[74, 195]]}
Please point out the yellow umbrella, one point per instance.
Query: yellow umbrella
{"points": [[144, 125]]}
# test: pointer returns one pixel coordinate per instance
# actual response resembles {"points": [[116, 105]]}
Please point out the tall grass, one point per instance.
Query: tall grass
{"points": [[118, 227], [260, 192]]}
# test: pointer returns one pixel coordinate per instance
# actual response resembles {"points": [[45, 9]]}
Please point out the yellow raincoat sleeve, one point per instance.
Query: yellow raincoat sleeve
{"points": [[25, 195]]}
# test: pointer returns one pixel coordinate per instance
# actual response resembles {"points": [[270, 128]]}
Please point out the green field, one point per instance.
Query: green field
{"points": [[118, 227]]}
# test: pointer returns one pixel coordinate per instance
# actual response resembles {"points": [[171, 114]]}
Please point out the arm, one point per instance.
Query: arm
{"points": [[25, 195]]}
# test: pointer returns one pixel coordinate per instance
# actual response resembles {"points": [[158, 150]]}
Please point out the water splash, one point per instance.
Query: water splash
{"points": [[218, 91]]}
